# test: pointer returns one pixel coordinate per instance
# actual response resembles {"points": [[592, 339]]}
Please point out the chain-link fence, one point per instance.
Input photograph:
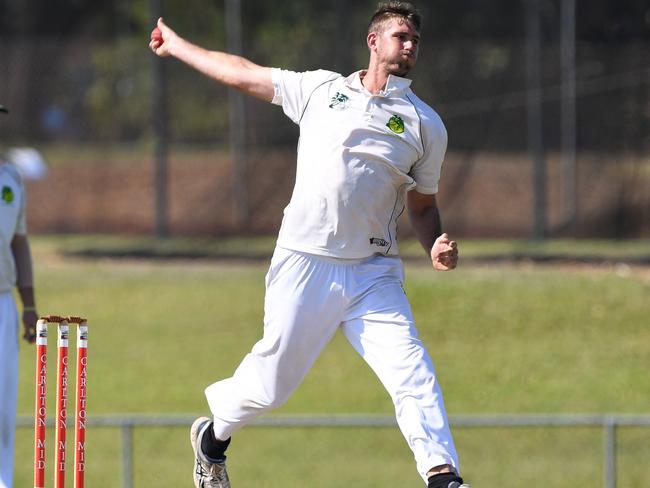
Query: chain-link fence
{"points": [[90, 105]]}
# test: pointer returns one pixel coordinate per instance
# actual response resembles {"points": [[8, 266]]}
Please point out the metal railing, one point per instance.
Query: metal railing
{"points": [[608, 422]]}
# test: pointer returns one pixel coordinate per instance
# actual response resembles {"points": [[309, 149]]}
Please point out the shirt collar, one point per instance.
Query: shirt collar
{"points": [[395, 85]]}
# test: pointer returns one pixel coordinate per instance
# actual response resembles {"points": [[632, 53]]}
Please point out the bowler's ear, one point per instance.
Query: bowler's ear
{"points": [[371, 40]]}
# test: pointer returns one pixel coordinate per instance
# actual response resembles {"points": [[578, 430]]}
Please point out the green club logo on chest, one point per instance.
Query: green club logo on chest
{"points": [[7, 194], [396, 124], [339, 101]]}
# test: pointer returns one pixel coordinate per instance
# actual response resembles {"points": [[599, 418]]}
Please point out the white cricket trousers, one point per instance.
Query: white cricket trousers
{"points": [[8, 386], [308, 298]]}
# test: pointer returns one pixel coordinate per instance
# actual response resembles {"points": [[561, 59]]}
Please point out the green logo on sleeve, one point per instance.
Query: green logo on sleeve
{"points": [[7, 194], [396, 124]]}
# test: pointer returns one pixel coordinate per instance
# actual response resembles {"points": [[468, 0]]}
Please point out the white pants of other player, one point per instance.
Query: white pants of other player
{"points": [[8, 386], [308, 298]]}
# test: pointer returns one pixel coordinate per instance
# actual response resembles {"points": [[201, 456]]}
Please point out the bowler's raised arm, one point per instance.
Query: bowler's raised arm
{"points": [[228, 69]]}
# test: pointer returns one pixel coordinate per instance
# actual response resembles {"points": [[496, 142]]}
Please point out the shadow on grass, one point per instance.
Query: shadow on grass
{"points": [[257, 249], [259, 256], [157, 254]]}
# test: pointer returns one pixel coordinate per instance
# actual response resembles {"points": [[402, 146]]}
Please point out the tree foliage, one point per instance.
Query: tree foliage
{"points": [[98, 70], [602, 20]]}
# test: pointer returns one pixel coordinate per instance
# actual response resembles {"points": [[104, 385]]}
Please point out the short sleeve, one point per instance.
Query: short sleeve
{"points": [[292, 90], [426, 171], [21, 222], [21, 217]]}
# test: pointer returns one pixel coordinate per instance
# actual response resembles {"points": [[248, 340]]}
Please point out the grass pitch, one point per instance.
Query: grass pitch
{"points": [[505, 339]]}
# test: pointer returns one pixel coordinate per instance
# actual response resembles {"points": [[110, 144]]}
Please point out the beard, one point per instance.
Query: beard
{"points": [[400, 68], [402, 65]]}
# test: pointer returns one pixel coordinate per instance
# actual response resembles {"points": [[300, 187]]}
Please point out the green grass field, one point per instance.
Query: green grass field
{"points": [[505, 339]]}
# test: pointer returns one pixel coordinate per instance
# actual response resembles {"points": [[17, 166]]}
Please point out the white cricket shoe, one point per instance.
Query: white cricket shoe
{"points": [[207, 474]]}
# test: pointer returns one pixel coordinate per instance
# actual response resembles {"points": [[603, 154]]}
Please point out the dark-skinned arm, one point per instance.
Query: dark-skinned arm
{"points": [[25, 284]]}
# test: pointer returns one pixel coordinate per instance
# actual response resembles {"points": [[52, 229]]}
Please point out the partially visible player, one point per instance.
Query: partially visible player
{"points": [[369, 147], [15, 272]]}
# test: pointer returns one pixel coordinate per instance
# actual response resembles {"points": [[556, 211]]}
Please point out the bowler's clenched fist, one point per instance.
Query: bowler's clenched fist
{"points": [[444, 253], [161, 37]]}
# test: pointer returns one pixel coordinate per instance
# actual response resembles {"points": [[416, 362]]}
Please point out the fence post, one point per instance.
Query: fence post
{"points": [[610, 452], [568, 111], [237, 120], [159, 116], [534, 116], [127, 455]]}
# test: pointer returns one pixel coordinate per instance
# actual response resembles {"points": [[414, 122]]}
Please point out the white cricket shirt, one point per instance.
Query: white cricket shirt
{"points": [[358, 155], [12, 222]]}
